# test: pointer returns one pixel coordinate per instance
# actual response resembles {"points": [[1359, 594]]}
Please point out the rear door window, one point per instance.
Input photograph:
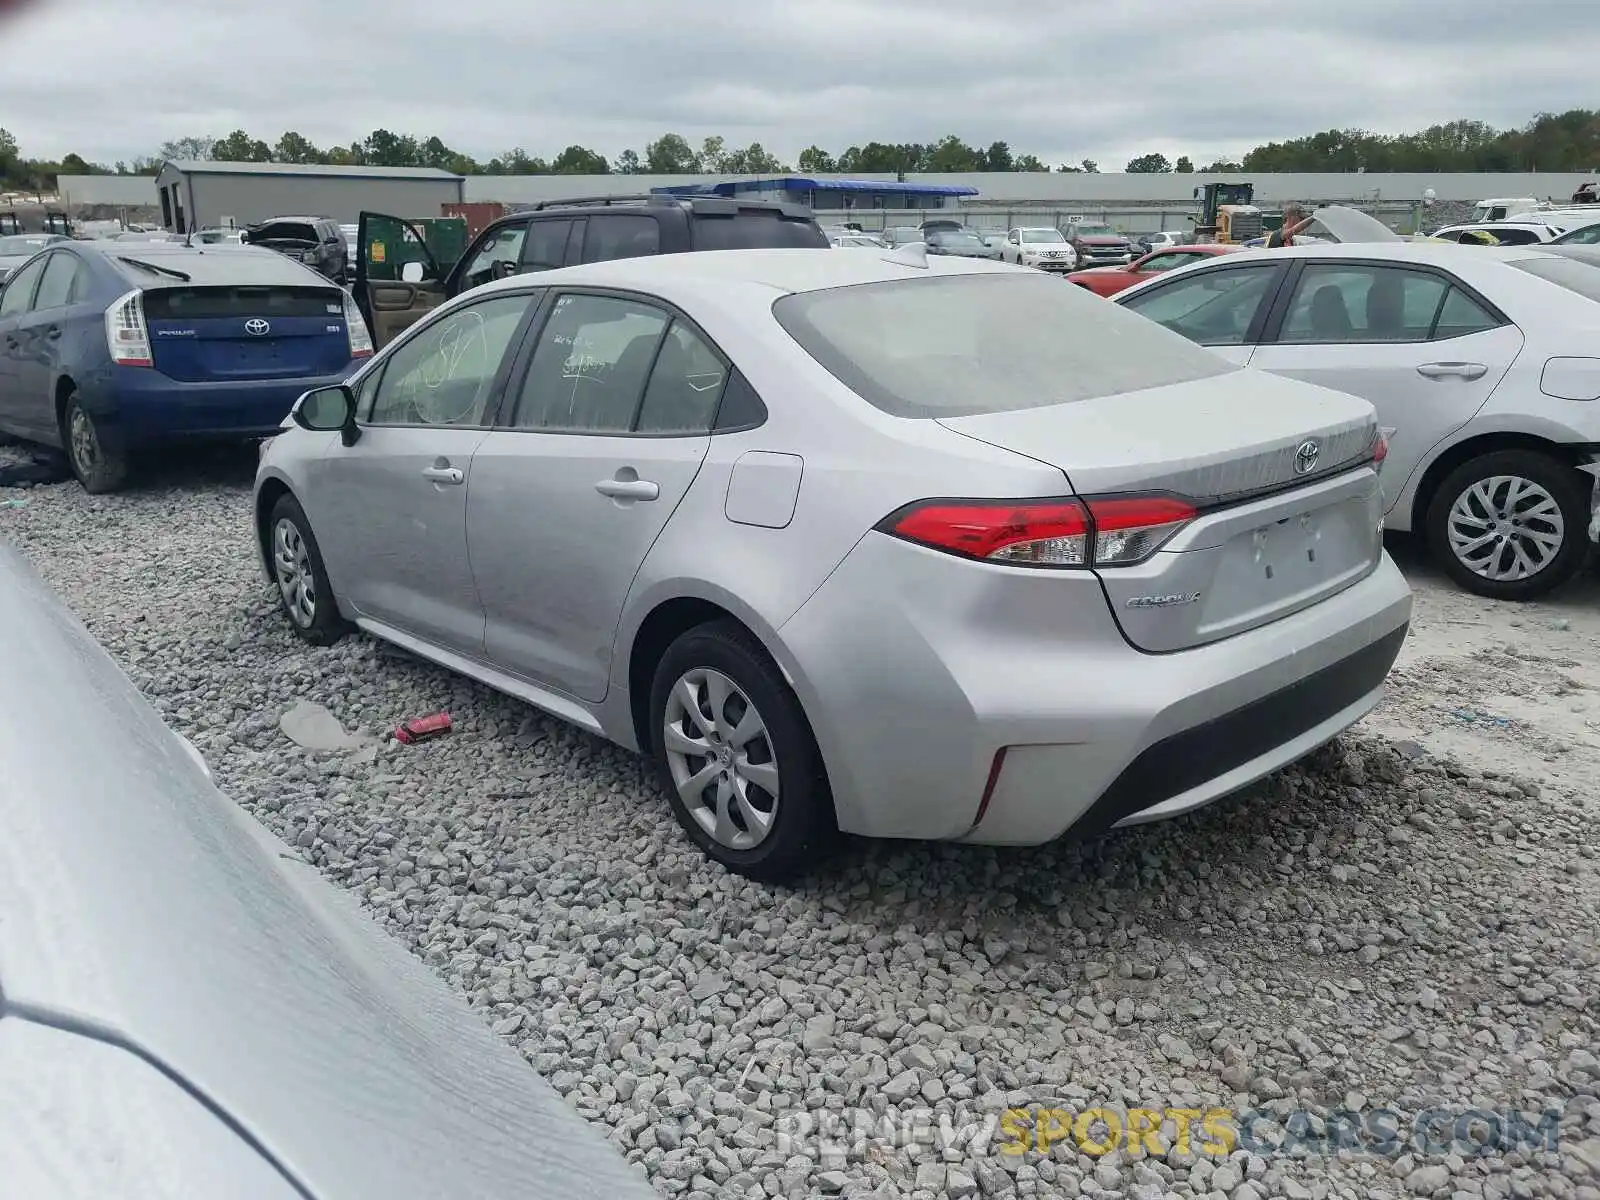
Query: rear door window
{"points": [[754, 231], [1213, 308], [1360, 302], [618, 235], [60, 276], [546, 246], [590, 367], [685, 385]]}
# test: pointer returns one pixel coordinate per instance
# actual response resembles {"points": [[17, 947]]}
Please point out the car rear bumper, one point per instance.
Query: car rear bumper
{"points": [[142, 405], [931, 681]]}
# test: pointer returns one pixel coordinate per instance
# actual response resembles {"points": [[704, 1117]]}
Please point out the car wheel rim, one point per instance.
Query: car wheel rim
{"points": [[721, 758], [85, 446], [1506, 528], [291, 563]]}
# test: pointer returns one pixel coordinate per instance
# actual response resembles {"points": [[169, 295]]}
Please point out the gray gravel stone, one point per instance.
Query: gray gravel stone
{"points": [[1286, 944]]}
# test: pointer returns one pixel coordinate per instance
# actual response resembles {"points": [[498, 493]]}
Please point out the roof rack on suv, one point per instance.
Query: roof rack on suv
{"points": [[582, 201]]}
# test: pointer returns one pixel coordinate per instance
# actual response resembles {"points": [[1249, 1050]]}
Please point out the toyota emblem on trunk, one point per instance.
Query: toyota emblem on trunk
{"points": [[256, 327], [1305, 458]]}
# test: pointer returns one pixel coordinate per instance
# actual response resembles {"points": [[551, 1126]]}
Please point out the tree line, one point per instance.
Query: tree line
{"points": [[1568, 141]]}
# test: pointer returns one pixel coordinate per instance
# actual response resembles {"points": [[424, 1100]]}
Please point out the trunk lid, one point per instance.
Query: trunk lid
{"points": [[1272, 537], [241, 333]]}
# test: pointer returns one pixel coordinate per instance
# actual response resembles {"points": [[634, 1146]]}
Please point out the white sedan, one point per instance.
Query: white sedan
{"points": [[1482, 361], [1043, 247]]}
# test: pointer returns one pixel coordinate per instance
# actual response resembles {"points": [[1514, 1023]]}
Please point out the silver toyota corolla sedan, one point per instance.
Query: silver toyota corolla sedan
{"points": [[906, 546]]}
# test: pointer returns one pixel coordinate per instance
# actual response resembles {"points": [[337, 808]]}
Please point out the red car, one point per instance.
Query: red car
{"points": [[1108, 281]]}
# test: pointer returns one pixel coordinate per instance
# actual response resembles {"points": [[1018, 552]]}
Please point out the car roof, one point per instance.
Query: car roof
{"points": [[1443, 253], [785, 270], [291, 217], [204, 264]]}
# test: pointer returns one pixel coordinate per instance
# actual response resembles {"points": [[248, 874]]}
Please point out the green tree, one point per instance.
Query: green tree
{"points": [[950, 155], [669, 154], [874, 158], [239, 146], [814, 160], [752, 160], [434, 153], [1149, 164], [579, 160], [712, 158], [1029, 162], [296, 148], [10, 155], [1184, 167], [1090, 167], [998, 158], [627, 163], [187, 149], [73, 164], [520, 162]]}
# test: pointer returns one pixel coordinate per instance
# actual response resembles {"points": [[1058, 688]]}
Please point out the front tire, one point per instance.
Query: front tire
{"points": [[1511, 524], [304, 593], [737, 757], [99, 468]]}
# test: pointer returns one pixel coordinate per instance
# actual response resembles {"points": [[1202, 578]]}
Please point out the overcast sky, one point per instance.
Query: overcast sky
{"points": [[113, 79]]}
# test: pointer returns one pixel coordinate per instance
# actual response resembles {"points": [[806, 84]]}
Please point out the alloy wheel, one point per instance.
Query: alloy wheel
{"points": [[291, 565], [85, 445], [721, 758], [1506, 528]]}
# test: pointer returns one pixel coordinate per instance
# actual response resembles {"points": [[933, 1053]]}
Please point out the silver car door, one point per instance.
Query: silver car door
{"points": [[611, 422], [1423, 349], [391, 510]]}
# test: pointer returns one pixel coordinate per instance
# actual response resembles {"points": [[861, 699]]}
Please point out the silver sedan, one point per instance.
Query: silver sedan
{"points": [[903, 545]]}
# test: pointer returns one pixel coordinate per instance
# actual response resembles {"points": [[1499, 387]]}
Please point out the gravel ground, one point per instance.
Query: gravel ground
{"points": [[1381, 927]]}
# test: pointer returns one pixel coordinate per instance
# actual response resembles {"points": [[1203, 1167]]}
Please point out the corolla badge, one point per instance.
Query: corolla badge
{"points": [[1305, 458], [257, 327], [1163, 601]]}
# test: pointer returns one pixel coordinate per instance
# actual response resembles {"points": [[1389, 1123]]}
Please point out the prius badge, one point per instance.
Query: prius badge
{"points": [[1163, 601], [1305, 458]]}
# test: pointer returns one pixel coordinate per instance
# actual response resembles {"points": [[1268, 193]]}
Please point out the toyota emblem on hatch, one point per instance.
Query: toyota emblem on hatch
{"points": [[1305, 458], [256, 327]]}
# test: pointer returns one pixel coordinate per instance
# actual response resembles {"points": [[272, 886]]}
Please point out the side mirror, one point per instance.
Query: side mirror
{"points": [[412, 272], [328, 410]]}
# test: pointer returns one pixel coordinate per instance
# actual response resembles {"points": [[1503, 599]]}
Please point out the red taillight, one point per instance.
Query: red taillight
{"points": [[1050, 533], [1380, 448], [1107, 532]]}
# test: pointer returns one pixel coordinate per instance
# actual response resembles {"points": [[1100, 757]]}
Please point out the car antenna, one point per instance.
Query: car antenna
{"points": [[912, 254]]}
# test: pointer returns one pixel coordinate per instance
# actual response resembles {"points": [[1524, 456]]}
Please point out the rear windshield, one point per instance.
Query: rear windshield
{"points": [[297, 231], [1570, 273], [949, 346], [192, 304], [16, 247], [756, 231]]}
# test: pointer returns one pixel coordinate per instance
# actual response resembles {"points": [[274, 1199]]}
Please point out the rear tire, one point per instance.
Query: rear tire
{"points": [[1510, 524], [737, 758], [98, 467], [300, 577]]}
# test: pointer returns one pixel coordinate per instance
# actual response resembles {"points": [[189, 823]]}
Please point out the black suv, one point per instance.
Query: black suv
{"points": [[560, 233], [315, 241]]}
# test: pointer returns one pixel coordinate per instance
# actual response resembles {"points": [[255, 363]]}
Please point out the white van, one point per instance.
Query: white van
{"points": [[1501, 208]]}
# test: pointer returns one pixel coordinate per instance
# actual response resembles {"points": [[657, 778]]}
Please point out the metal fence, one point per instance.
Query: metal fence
{"points": [[1127, 218]]}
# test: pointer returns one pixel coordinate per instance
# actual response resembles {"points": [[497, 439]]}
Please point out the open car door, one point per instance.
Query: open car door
{"points": [[397, 280]]}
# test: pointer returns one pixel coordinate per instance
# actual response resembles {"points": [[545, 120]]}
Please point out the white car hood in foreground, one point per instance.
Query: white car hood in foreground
{"points": [[192, 985]]}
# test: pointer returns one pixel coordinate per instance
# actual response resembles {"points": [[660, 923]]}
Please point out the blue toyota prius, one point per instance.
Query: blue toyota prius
{"points": [[110, 347]]}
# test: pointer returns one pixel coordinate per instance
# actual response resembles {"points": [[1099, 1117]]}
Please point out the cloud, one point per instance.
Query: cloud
{"points": [[110, 79]]}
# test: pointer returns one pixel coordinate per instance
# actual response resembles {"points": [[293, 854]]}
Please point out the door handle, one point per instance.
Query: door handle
{"points": [[628, 489], [53, 333], [444, 474], [1457, 370]]}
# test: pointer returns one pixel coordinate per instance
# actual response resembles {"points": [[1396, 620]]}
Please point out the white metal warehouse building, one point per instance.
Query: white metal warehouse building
{"points": [[198, 195]]}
